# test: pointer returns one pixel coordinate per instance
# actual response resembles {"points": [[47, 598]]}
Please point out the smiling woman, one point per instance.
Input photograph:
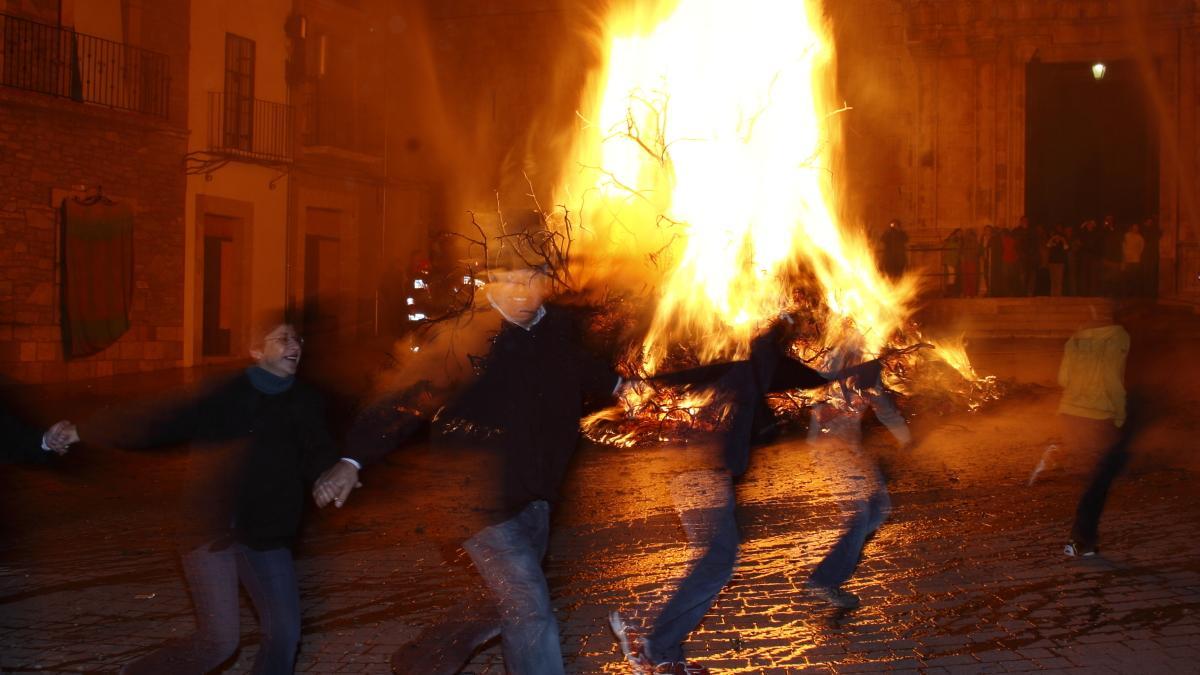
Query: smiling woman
{"points": [[260, 439], [279, 351]]}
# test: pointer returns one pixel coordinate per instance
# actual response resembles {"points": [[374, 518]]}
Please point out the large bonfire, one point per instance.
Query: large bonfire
{"points": [[703, 170]]}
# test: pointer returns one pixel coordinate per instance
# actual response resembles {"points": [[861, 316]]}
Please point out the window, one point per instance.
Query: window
{"points": [[239, 93]]}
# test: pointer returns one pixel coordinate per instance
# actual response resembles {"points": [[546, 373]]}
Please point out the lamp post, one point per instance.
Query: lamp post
{"points": [[1098, 71]]}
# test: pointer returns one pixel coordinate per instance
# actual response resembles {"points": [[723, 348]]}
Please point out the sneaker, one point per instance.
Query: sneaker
{"points": [[1077, 550], [637, 653], [631, 646], [834, 595]]}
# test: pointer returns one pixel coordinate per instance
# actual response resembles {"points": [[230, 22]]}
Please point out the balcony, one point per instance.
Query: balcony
{"points": [[332, 125], [60, 62], [250, 129]]}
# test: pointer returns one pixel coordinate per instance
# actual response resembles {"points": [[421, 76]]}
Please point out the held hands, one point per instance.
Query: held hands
{"points": [[60, 437], [335, 485]]}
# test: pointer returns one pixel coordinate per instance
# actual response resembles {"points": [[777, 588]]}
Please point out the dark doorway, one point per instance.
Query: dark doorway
{"points": [[223, 286], [1090, 146], [322, 284], [216, 311]]}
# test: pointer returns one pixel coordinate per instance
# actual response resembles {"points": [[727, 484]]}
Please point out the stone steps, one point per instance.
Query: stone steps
{"points": [[1037, 317], [1048, 317]]}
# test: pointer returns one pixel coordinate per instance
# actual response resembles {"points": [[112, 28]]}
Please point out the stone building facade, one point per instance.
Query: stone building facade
{"points": [[54, 147], [940, 89]]}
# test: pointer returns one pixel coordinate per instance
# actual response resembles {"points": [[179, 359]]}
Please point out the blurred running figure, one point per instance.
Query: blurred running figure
{"points": [[1092, 411], [257, 439], [854, 477], [706, 497], [529, 394]]}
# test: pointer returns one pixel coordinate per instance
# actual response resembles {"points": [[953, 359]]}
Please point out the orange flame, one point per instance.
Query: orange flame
{"points": [[954, 353], [707, 151]]}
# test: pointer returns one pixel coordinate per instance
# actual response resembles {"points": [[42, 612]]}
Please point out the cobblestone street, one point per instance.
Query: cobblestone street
{"points": [[967, 575], [877, 323]]}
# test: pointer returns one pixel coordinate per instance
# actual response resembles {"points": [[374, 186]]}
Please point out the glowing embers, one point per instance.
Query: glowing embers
{"points": [[923, 376], [661, 414]]}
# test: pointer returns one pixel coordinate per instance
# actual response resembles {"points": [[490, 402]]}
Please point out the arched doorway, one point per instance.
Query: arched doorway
{"points": [[1091, 144]]}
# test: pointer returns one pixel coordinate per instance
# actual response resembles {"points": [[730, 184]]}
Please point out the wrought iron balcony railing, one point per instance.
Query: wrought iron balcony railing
{"points": [[250, 128], [60, 62]]}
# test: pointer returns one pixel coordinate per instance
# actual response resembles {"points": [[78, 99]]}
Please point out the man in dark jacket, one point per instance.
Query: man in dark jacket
{"points": [[527, 399], [257, 440]]}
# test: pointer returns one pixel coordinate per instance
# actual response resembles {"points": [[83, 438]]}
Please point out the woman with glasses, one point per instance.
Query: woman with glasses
{"points": [[257, 441]]}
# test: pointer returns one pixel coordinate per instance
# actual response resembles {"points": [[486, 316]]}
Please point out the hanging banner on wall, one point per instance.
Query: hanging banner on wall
{"points": [[97, 274]]}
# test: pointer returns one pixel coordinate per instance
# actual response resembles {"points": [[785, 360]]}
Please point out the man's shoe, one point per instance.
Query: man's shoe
{"points": [[635, 649], [834, 595], [1075, 549], [632, 646]]}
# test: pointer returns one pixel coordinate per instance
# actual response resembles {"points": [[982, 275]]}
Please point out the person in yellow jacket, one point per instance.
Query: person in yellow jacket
{"points": [[1092, 410]]}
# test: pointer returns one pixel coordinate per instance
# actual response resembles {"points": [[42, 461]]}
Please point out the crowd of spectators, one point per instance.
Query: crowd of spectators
{"points": [[1091, 260]]}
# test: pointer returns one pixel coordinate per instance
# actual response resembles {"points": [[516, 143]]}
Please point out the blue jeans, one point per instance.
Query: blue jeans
{"points": [[856, 483], [713, 525], [867, 514], [212, 576], [886, 412], [509, 556]]}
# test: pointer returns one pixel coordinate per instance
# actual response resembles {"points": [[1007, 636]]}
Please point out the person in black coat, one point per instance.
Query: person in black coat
{"points": [[257, 440], [23, 444], [523, 402]]}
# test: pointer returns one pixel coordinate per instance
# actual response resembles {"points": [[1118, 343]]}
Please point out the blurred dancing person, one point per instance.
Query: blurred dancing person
{"points": [[710, 520], [258, 439], [1093, 415], [526, 400]]}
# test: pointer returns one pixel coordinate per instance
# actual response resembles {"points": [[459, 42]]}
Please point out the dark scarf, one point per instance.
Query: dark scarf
{"points": [[269, 383]]}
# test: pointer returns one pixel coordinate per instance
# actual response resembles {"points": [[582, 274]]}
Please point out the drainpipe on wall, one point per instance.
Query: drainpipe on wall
{"points": [[383, 189]]}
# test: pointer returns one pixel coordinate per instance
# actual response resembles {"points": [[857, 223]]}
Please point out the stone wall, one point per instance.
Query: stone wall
{"points": [[48, 148], [938, 134], [45, 11]]}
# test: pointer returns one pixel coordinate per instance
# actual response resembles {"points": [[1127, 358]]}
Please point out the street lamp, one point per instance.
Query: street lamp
{"points": [[1098, 71]]}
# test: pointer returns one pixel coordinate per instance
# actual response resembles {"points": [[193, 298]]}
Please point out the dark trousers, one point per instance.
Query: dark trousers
{"points": [[710, 521], [854, 479], [1101, 437], [213, 576], [1131, 279], [712, 525], [1110, 278], [839, 564]]}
